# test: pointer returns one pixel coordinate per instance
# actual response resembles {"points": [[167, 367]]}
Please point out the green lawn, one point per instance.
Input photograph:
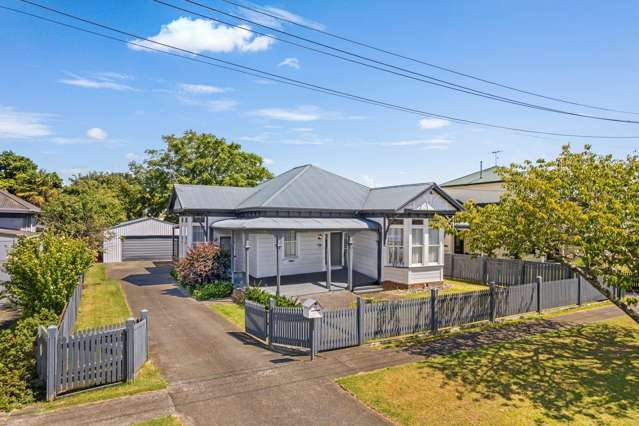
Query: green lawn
{"points": [[454, 287], [586, 374], [161, 421], [147, 379], [103, 301], [230, 311]]}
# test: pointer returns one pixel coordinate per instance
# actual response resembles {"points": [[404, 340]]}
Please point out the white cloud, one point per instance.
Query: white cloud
{"points": [[200, 35], [97, 81], [97, 134], [290, 62], [433, 123], [202, 89], [304, 113], [132, 157], [22, 125], [426, 143], [281, 13], [215, 105], [268, 161]]}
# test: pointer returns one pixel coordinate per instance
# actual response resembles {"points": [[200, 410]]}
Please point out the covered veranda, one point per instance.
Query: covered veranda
{"points": [[328, 252]]}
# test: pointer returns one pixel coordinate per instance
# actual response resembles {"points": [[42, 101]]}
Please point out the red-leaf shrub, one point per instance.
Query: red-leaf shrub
{"points": [[203, 263]]}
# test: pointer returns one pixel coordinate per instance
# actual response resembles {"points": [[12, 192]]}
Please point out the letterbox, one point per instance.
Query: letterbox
{"points": [[312, 309]]}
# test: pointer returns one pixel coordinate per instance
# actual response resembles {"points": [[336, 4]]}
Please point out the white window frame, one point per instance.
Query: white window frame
{"points": [[401, 249], [423, 228], [285, 242], [439, 245]]}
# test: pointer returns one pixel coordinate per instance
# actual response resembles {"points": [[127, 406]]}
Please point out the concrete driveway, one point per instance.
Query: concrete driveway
{"points": [[217, 375]]}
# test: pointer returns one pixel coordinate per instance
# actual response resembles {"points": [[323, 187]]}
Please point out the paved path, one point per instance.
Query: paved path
{"points": [[218, 376]]}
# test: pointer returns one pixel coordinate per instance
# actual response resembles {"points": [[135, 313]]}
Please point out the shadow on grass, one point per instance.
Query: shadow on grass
{"points": [[585, 370]]}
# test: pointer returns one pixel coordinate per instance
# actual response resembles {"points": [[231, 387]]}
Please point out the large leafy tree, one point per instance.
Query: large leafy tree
{"points": [[21, 176], [84, 212], [195, 158], [124, 185], [581, 209]]}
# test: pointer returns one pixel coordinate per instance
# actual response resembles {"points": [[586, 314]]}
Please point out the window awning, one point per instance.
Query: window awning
{"points": [[289, 223]]}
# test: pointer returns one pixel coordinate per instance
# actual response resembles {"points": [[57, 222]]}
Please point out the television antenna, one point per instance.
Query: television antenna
{"points": [[496, 154]]}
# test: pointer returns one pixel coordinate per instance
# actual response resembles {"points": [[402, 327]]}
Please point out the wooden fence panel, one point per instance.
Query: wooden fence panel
{"points": [[505, 271], [395, 318], [140, 345], [517, 299], [66, 325], [459, 309], [468, 268], [589, 293], [289, 327], [337, 329], [256, 319], [548, 271], [559, 293]]}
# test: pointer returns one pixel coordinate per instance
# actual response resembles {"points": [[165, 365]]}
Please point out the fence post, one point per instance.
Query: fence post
{"points": [[578, 290], [52, 360], [271, 307], [523, 272], [434, 321], [484, 269], [144, 316], [311, 335], [539, 281], [452, 263], [360, 321], [493, 301], [130, 348]]}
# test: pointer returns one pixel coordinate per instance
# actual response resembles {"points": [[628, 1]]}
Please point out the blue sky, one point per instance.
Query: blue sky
{"points": [[73, 102]]}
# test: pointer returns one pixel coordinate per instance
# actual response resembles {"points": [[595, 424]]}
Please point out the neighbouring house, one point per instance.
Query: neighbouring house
{"points": [[17, 217], [309, 225], [145, 238], [483, 187]]}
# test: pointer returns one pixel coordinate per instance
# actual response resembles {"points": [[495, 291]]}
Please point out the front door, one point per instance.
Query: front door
{"points": [[336, 248]]}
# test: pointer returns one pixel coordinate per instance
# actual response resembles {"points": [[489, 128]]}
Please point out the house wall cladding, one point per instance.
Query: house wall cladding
{"points": [[365, 256], [353, 326]]}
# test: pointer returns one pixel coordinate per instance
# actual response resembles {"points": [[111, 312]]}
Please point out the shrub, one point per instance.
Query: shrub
{"points": [[18, 378], [45, 270], [214, 290], [203, 263], [257, 295]]}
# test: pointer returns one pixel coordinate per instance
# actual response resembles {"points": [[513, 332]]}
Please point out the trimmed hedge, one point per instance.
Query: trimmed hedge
{"points": [[214, 290], [18, 377], [257, 295]]}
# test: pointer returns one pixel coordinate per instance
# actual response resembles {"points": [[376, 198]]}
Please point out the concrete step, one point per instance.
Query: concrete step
{"points": [[372, 288]]}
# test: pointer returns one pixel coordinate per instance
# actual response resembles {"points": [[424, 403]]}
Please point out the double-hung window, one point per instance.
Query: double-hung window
{"points": [[395, 244], [290, 244], [434, 245], [417, 242]]}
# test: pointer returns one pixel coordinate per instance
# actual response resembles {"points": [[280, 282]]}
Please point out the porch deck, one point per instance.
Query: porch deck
{"points": [[312, 283]]}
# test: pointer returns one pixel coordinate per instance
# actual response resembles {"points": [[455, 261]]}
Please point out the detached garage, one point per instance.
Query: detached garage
{"points": [[139, 239]]}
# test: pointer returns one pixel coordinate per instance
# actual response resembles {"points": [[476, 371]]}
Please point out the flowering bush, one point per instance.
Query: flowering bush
{"points": [[203, 263]]}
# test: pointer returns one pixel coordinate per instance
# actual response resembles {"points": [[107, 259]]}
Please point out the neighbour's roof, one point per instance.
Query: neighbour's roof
{"points": [[480, 196], [306, 187], [488, 175], [306, 223], [9, 203]]}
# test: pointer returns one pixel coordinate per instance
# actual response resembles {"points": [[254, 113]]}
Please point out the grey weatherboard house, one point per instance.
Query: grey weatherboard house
{"points": [[309, 225]]}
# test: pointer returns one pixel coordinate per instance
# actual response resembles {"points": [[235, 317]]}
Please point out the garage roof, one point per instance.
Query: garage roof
{"points": [[288, 223]]}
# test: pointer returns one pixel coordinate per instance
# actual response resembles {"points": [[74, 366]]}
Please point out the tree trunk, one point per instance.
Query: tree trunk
{"points": [[594, 281]]}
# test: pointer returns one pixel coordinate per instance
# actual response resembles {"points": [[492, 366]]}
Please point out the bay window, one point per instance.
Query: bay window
{"points": [[423, 245]]}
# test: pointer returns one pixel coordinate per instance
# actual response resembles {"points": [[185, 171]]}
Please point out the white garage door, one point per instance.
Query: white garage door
{"points": [[147, 248]]}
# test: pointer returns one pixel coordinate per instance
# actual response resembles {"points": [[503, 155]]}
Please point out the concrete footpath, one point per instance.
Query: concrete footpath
{"points": [[217, 375]]}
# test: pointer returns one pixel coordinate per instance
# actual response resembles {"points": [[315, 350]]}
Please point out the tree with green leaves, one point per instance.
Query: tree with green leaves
{"points": [[45, 270], [124, 185], [195, 158], [85, 212], [21, 176], [581, 209]]}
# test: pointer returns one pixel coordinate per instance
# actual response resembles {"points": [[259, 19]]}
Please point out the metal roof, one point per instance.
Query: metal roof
{"points": [[288, 223], [310, 188], [392, 197], [141, 219], [9, 203], [480, 196], [207, 197], [488, 175]]}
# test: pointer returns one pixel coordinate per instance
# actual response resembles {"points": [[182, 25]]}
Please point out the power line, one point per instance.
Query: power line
{"points": [[282, 79], [419, 61], [427, 79]]}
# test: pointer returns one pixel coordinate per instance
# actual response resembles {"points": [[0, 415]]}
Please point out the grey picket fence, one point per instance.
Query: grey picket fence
{"points": [[66, 324], [92, 357], [340, 328], [481, 269]]}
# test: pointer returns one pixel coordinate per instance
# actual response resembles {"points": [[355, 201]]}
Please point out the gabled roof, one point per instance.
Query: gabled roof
{"points": [[480, 196], [488, 175], [141, 219], [307, 188], [9, 203]]}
